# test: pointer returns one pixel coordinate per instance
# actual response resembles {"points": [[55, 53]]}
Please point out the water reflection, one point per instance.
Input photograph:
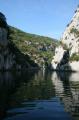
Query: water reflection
{"points": [[40, 87], [67, 89], [9, 82], [39, 95]]}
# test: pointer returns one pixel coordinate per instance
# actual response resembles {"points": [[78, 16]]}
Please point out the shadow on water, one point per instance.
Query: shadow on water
{"points": [[9, 82], [39, 95]]}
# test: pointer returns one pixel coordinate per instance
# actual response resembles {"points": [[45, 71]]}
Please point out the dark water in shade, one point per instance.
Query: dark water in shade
{"points": [[41, 95]]}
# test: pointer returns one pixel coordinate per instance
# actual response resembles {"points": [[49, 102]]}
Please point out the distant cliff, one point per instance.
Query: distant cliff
{"points": [[39, 48], [67, 53]]}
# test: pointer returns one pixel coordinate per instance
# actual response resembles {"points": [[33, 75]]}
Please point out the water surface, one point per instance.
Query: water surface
{"points": [[41, 95]]}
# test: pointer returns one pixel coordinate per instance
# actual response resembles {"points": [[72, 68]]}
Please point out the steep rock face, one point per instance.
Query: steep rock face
{"points": [[71, 34], [69, 47], [59, 52], [61, 59], [3, 31], [3, 37], [10, 56], [6, 57]]}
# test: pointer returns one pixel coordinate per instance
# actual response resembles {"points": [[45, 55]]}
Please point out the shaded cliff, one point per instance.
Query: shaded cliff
{"points": [[10, 56]]}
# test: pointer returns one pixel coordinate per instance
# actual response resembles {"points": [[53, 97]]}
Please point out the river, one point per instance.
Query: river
{"points": [[39, 95]]}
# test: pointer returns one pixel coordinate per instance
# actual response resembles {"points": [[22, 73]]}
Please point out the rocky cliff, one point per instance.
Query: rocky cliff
{"points": [[71, 34], [10, 56], [6, 58], [67, 53], [21, 50]]}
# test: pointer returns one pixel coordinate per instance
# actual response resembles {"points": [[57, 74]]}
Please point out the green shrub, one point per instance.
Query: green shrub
{"points": [[75, 31], [74, 57]]}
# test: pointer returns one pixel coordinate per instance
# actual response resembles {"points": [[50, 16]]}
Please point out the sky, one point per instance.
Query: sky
{"points": [[42, 17]]}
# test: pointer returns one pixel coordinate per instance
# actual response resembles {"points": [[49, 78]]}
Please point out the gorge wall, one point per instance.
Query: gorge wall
{"points": [[67, 53], [10, 56], [6, 58]]}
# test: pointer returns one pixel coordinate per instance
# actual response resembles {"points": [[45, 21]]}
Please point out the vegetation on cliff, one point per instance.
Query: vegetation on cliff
{"points": [[74, 57], [75, 31], [40, 49]]}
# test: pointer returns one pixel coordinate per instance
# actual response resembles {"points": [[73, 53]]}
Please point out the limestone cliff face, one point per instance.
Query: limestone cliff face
{"points": [[71, 34], [61, 59], [69, 47], [59, 52]]}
